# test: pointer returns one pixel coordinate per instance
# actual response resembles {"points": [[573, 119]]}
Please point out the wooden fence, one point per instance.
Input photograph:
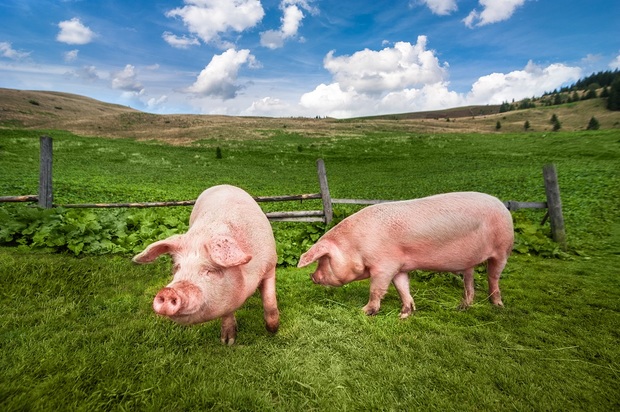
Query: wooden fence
{"points": [[45, 198]]}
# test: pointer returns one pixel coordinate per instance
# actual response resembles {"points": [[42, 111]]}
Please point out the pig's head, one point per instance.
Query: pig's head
{"points": [[203, 287], [333, 268]]}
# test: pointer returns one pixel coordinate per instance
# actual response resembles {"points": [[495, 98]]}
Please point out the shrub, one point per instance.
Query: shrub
{"points": [[593, 124]]}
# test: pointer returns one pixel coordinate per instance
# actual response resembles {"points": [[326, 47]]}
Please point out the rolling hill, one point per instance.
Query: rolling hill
{"points": [[47, 110]]}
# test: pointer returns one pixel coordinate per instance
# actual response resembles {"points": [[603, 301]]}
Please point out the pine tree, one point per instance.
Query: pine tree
{"points": [[613, 101], [498, 125], [594, 124], [526, 125]]}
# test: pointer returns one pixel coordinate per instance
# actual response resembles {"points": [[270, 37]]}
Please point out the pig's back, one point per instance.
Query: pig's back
{"points": [[230, 210], [435, 218]]}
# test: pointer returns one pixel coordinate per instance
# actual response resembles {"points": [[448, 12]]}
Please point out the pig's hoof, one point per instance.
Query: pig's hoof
{"points": [[499, 304], [272, 327], [228, 339], [464, 305], [406, 312], [370, 311]]}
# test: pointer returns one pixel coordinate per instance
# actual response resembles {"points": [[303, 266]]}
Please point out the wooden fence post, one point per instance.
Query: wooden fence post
{"points": [[325, 196], [554, 204], [46, 197]]}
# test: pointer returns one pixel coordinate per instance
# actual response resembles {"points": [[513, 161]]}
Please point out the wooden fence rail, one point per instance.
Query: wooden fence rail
{"points": [[45, 198]]}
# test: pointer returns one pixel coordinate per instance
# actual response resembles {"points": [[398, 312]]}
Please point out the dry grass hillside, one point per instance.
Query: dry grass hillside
{"points": [[89, 117]]}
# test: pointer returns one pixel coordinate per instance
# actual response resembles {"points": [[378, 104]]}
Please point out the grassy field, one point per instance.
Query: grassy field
{"points": [[79, 333]]}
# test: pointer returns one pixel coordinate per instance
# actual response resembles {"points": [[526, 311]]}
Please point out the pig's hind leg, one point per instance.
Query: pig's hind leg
{"points": [[401, 283], [494, 271], [267, 289]]}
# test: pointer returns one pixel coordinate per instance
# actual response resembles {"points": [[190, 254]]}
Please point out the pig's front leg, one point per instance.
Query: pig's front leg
{"points": [[267, 289], [229, 329], [379, 284], [401, 283]]}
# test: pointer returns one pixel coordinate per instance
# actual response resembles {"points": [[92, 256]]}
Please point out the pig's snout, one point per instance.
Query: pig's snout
{"points": [[314, 278], [167, 302]]}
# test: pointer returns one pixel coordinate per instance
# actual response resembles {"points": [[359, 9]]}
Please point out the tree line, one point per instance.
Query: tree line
{"points": [[608, 82]]}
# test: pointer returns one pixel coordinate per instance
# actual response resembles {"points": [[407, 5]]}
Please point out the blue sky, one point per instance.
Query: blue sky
{"points": [[304, 57]]}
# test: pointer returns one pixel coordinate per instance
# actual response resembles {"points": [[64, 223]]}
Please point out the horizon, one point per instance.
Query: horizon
{"points": [[304, 58]]}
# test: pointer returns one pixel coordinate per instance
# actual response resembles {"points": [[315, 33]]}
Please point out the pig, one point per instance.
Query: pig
{"points": [[450, 232], [227, 253]]}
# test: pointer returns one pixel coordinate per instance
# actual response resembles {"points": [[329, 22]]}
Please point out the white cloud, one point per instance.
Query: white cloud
{"points": [[441, 7], [127, 80], [6, 50], [333, 100], [493, 11], [71, 56], [390, 69], [154, 103], [182, 42], [86, 73], [208, 18], [409, 78], [267, 106], [291, 21], [533, 80], [615, 63], [74, 32], [219, 77]]}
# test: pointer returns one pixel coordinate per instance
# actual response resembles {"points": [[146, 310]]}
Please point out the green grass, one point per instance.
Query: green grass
{"points": [[79, 333]]}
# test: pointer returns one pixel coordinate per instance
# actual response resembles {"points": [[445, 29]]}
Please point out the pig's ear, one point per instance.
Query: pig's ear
{"points": [[154, 250], [317, 251], [225, 252]]}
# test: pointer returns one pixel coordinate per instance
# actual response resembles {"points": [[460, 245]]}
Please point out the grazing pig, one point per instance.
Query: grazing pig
{"points": [[451, 232], [228, 252]]}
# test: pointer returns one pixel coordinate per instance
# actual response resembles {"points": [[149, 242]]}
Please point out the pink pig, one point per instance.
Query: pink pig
{"points": [[228, 252], [451, 232]]}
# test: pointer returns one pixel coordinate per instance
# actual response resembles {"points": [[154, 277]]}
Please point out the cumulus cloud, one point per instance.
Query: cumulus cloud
{"points": [[267, 106], [219, 77], [127, 80], [291, 21], [533, 80], [615, 63], [390, 69], [493, 11], [409, 78], [182, 42], [207, 19], [71, 56], [74, 32], [441, 7], [7, 50]]}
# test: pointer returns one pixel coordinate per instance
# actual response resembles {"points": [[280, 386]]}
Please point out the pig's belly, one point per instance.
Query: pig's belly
{"points": [[449, 257]]}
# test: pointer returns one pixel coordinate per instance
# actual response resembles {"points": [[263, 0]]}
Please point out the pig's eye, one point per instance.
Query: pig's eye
{"points": [[175, 267]]}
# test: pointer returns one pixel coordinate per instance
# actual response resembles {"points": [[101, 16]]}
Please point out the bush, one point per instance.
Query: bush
{"points": [[593, 124]]}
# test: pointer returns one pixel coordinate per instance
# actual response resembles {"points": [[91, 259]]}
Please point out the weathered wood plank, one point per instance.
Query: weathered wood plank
{"points": [[24, 198]]}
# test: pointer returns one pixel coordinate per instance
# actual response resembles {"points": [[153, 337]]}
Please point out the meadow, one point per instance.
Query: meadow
{"points": [[78, 333]]}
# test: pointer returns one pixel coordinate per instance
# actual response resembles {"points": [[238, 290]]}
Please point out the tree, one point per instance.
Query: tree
{"points": [[554, 119], [557, 125], [594, 124], [613, 101], [498, 125], [526, 125]]}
